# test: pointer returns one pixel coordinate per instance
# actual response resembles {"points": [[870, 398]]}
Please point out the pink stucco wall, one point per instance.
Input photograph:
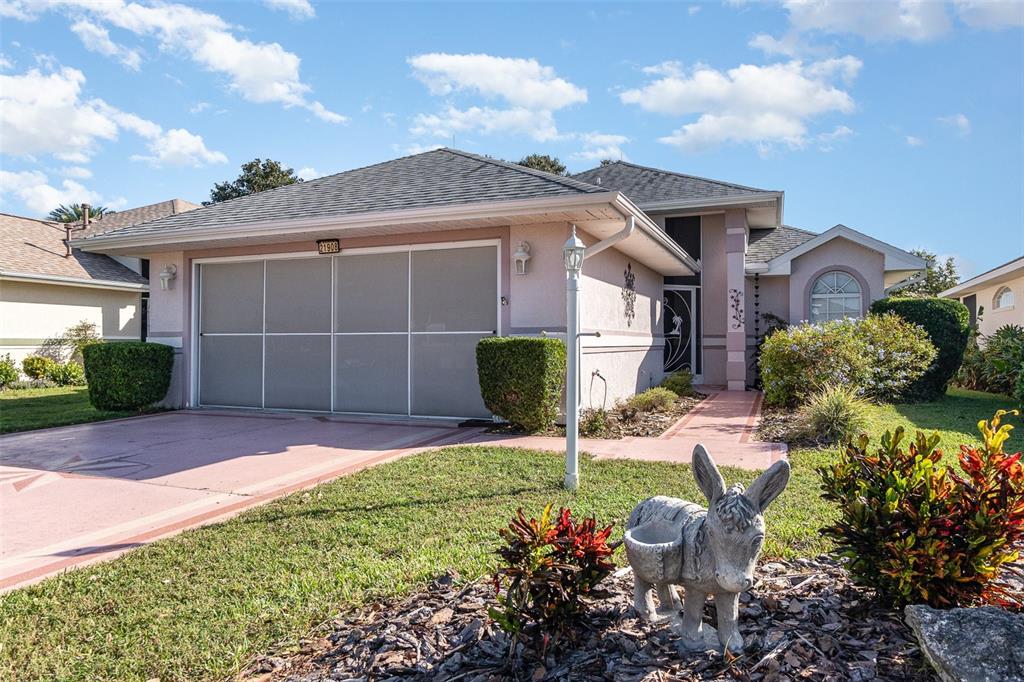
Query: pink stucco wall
{"points": [[863, 263]]}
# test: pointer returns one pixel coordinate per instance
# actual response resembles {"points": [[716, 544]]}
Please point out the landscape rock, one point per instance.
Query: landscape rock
{"points": [[983, 644]]}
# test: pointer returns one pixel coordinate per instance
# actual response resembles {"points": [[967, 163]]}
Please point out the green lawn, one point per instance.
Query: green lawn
{"points": [[39, 408], [199, 605]]}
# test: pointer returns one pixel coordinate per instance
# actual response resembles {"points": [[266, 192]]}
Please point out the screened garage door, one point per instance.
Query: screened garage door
{"points": [[390, 332]]}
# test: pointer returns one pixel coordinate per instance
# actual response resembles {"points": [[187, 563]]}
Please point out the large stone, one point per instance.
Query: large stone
{"points": [[971, 645]]}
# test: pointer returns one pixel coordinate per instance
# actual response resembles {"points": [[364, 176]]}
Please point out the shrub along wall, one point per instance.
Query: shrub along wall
{"points": [[947, 324], [521, 379], [128, 375]]}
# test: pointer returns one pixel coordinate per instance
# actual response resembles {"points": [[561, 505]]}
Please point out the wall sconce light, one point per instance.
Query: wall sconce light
{"points": [[522, 255], [167, 276]]}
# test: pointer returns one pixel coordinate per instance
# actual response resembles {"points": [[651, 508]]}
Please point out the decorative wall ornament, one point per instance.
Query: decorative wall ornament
{"points": [[629, 294], [711, 551], [736, 318]]}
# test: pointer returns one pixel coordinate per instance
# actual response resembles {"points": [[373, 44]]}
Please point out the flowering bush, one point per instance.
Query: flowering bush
{"points": [[550, 565], [916, 530], [898, 352]]}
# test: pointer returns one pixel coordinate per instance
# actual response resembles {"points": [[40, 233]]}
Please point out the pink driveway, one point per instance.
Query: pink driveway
{"points": [[79, 494]]}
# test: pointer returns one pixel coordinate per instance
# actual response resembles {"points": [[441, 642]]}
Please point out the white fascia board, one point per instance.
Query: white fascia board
{"points": [[297, 226], [653, 231], [71, 281], [719, 203], [985, 278], [895, 258]]}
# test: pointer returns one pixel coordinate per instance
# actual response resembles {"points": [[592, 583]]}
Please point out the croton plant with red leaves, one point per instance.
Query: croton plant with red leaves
{"points": [[550, 565], [918, 531]]}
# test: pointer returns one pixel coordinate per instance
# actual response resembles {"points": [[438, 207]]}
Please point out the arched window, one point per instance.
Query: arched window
{"points": [[1003, 299], [835, 295]]}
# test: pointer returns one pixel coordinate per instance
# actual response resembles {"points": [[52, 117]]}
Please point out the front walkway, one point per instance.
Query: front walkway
{"points": [[724, 422]]}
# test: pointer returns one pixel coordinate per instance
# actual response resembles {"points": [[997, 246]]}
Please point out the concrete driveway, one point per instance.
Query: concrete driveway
{"points": [[79, 494]]}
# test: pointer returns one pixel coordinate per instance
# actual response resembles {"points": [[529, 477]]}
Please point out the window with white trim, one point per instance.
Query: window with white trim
{"points": [[835, 295], [1003, 299]]}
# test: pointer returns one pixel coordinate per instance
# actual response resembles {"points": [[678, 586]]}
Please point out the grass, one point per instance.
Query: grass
{"points": [[39, 408], [199, 605]]}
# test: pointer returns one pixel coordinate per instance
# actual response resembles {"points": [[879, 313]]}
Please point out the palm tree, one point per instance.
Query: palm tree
{"points": [[73, 213]]}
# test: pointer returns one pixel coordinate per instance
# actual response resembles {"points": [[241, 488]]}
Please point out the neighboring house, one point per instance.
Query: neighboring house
{"points": [[44, 289], [426, 267], [994, 298]]}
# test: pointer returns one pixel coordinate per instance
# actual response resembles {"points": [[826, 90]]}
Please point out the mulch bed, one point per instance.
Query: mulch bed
{"points": [[776, 426], [803, 620], [641, 424]]}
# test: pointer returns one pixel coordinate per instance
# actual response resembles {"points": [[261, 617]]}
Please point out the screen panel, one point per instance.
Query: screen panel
{"points": [[299, 295], [298, 372], [231, 297], [455, 289], [444, 376], [371, 373], [231, 371], [371, 292]]}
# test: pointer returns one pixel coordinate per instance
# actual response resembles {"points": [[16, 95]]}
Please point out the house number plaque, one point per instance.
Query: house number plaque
{"points": [[328, 246]]}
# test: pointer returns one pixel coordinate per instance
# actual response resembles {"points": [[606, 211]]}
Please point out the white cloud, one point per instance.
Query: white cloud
{"points": [[259, 72], [529, 91], [38, 195], [692, 9], [45, 114], [179, 147], [874, 20], [198, 107], [826, 141], [309, 173], [959, 121], [77, 172], [788, 45], [991, 14], [598, 146], [297, 9], [19, 9], [755, 104], [97, 39], [416, 148], [5, 63], [914, 141]]}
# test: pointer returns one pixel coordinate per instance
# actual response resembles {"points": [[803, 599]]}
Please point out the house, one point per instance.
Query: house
{"points": [[367, 291], [994, 298], [45, 287]]}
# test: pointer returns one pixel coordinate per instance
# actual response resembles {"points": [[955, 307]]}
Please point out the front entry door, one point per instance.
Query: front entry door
{"points": [[682, 330]]}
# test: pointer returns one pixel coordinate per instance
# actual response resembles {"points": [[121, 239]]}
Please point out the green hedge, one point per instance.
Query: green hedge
{"points": [[947, 324], [129, 375], [521, 379]]}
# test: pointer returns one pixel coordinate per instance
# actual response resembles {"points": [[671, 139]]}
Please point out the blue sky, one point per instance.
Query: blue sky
{"points": [[902, 120]]}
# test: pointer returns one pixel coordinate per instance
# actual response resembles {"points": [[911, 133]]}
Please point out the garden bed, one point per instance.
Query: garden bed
{"points": [[803, 619], [643, 424]]}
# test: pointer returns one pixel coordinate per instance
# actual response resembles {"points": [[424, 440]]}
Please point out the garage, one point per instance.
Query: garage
{"points": [[378, 331]]}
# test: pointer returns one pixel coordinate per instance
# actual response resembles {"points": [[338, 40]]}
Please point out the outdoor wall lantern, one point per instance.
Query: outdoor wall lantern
{"points": [[521, 255], [167, 276]]}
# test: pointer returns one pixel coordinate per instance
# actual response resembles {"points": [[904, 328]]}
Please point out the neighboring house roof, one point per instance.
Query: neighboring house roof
{"points": [[765, 245], [34, 250], [895, 259], [997, 275], [646, 185], [440, 177], [135, 216]]}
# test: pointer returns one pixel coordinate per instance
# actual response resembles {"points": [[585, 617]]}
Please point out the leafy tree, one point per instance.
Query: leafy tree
{"points": [[543, 162], [938, 277], [606, 162], [256, 176], [72, 213]]}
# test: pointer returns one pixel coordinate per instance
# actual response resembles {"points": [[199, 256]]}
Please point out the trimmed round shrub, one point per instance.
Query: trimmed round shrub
{"points": [[67, 374], [8, 371], [127, 375], [521, 379], [899, 353], [801, 359], [680, 383], [652, 399], [37, 366], [833, 414], [947, 324]]}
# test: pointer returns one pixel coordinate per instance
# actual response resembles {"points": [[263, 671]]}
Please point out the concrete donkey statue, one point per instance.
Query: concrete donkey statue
{"points": [[712, 551]]}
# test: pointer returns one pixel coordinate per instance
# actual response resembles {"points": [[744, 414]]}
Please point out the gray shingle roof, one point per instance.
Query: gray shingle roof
{"points": [[36, 247], [648, 185], [134, 216], [436, 178], [764, 245]]}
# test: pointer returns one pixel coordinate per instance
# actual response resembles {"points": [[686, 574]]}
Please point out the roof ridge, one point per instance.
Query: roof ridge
{"points": [[684, 175], [48, 223], [565, 180], [799, 229]]}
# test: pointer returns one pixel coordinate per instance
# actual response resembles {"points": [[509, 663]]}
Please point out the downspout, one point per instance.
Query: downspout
{"points": [[613, 240], [904, 283]]}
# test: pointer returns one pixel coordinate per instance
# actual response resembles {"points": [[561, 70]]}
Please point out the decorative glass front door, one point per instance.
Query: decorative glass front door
{"points": [[682, 330]]}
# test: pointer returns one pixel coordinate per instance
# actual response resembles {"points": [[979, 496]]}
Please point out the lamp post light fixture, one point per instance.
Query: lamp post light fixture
{"points": [[520, 257], [573, 254]]}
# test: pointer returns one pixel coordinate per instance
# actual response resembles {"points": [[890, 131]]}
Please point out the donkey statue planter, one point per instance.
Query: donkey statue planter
{"points": [[712, 551]]}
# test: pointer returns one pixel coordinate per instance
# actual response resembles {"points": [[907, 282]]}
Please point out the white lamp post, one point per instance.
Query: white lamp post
{"points": [[573, 253]]}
